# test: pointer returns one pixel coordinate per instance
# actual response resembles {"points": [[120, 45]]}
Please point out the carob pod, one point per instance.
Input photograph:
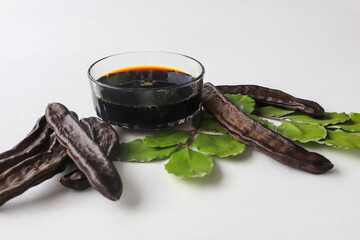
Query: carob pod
{"points": [[36, 141], [32, 144], [76, 180], [104, 135], [32, 171], [264, 140], [102, 132], [275, 97], [84, 151]]}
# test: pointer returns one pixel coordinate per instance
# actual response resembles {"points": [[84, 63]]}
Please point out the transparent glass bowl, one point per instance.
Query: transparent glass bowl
{"points": [[146, 108]]}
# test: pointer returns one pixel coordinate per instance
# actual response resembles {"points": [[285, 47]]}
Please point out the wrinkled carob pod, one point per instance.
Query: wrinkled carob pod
{"points": [[32, 171], [264, 140], [76, 180], [102, 132], [275, 97], [104, 135], [84, 151], [37, 139]]}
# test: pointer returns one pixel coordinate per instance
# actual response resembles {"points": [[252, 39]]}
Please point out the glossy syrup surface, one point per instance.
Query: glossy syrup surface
{"points": [[165, 105]]}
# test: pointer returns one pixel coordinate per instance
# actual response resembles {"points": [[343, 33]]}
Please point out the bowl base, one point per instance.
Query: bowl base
{"points": [[153, 127]]}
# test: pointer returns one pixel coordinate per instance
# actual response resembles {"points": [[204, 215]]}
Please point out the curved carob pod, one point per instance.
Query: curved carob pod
{"points": [[76, 180], [84, 151], [275, 97], [32, 144], [32, 171], [264, 140], [102, 132], [104, 135]]}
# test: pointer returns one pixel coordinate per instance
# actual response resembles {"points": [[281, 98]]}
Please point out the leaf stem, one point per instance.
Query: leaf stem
{"points": [[210, 133], [191, 138], [282, 119], [193, 132]]}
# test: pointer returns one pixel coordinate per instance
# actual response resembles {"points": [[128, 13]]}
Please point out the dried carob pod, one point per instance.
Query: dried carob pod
{"points": [[35, 142], [76, 180], [275, 97], [84, 151], [104, 135], [37, 139], [32, 171], [264, 140], [102, 132]]}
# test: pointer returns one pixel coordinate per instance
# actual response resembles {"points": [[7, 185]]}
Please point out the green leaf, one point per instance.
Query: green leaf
{"points": [[245, 103], [329, 118], [271, 111], [302, 132], [167, 138], [138, 151], [264, 122], [211, 125], [353, 125], [189, 164], [208, 123], [218, 145], [341, 139]]}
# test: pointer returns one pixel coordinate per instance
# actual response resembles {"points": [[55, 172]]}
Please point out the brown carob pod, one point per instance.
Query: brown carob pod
{"points": [[76, 180], [264, 140], [37, 139], [275, 97], [84, 151], [32, 171], [102, 132], [104, 135]]}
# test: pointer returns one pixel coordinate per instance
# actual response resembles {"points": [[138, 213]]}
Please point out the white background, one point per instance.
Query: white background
{"points": [[310, 49]]}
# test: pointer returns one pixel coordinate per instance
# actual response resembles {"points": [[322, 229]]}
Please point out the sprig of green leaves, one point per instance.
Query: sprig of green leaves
{"points": [[184, 161]]}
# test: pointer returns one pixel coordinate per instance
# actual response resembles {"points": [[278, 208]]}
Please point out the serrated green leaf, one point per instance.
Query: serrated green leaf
{"points": [[341, 139], [138, 151], [271, 111], [167, 138], [208, 123], [245, 103], [302, 132], [264, 122], [353, 125], [189, 164], [329, 118], [211, 125], [218, 145]]}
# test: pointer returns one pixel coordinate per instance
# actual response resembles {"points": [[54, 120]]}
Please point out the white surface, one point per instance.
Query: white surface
{"points": [[308, 48]]}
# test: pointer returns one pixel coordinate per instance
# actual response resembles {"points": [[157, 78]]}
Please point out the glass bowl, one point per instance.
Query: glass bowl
{"points": [[146, 90]]}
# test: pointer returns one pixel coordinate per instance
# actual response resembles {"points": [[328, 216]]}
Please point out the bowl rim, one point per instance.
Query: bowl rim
{"points": [[145, 89]]}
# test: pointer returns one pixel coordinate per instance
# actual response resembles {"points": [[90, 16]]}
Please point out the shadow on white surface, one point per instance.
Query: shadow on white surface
{"points": [[35, 198], [130, 197]]}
